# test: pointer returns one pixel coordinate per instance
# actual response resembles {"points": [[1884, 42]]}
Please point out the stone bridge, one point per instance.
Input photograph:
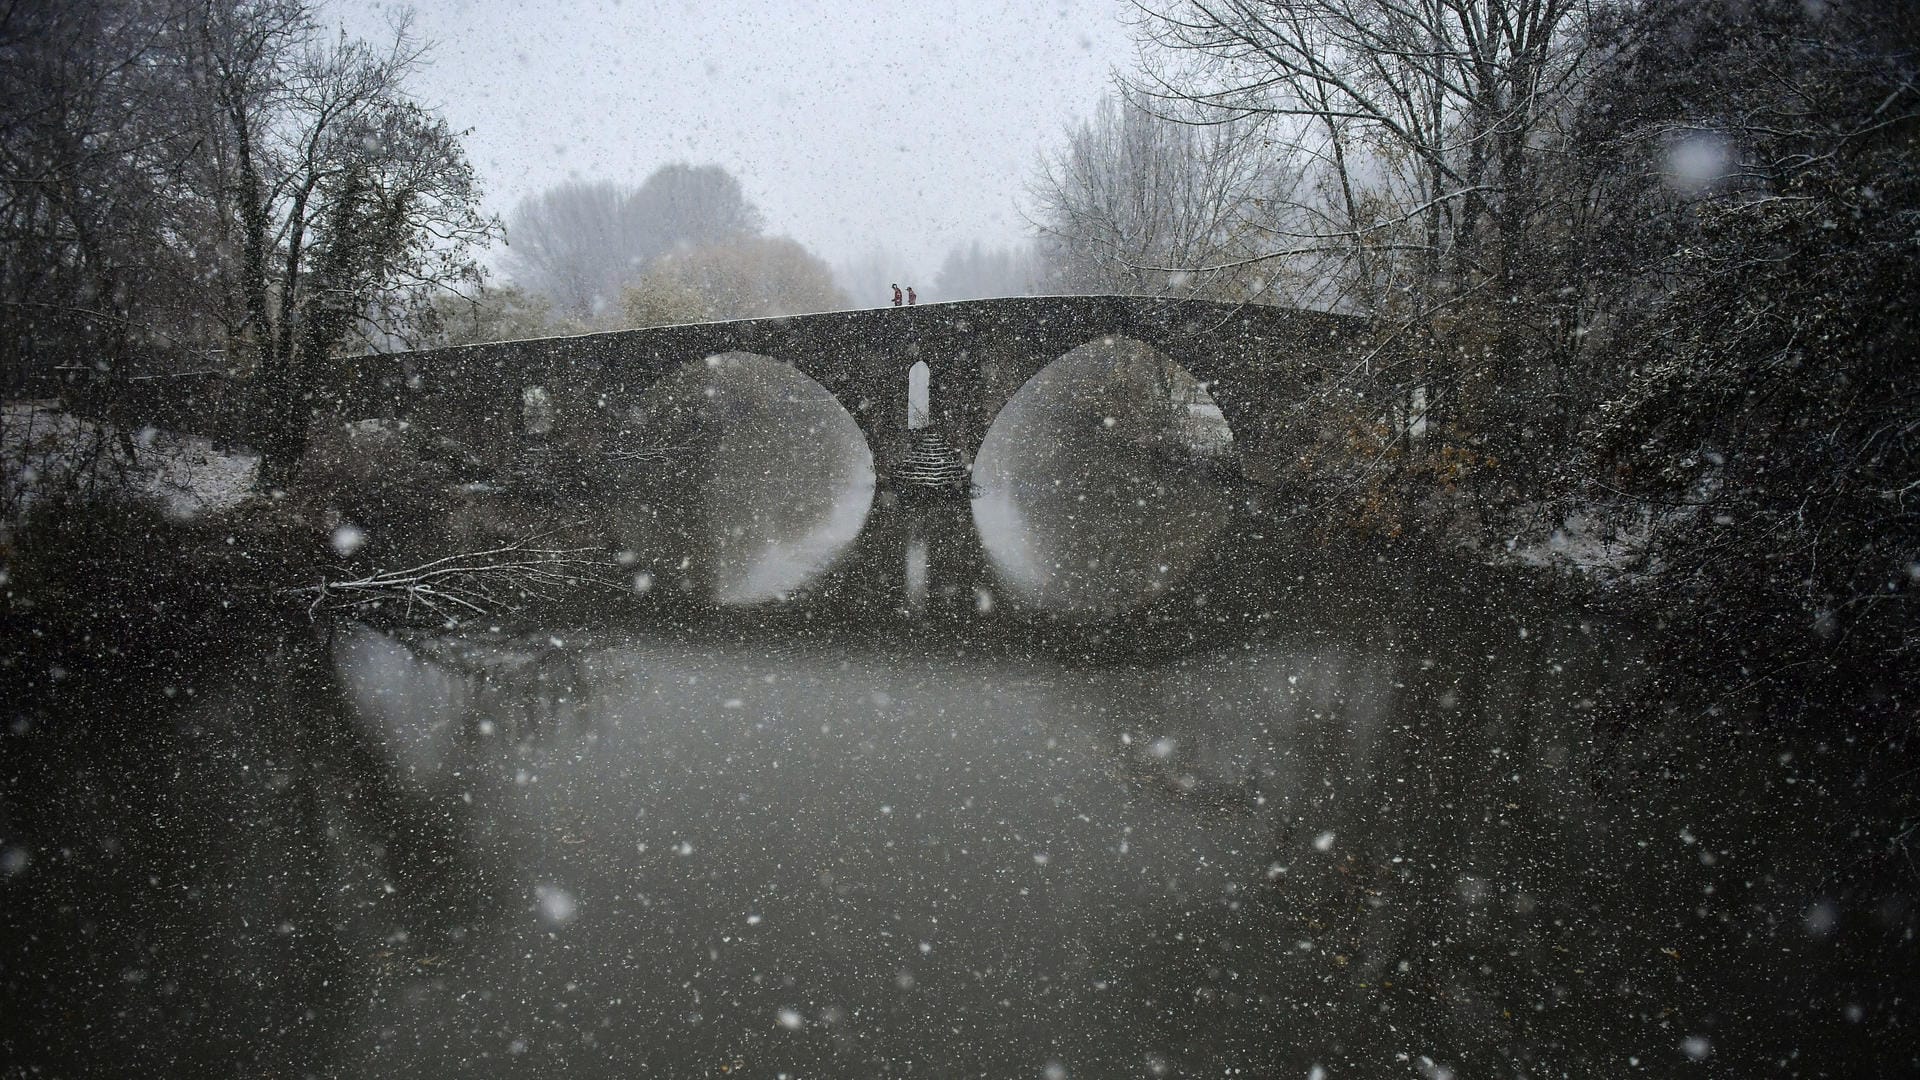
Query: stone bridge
{"points": [[1256, 362]]}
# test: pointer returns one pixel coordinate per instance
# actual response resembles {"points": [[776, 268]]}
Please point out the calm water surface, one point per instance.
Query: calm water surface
{"points": [[1090, 776]]}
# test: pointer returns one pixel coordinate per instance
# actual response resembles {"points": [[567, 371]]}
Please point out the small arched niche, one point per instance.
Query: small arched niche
{"points": [[536, 411], [919, 396]]}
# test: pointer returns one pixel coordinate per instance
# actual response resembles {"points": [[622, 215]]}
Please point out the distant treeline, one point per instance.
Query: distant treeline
{"points": [[685, 245]]}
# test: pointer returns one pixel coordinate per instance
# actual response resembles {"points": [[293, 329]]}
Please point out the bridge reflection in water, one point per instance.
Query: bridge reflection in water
{"points": [[761, 482], [768, 493], [1353, 812], [1090, 504]]}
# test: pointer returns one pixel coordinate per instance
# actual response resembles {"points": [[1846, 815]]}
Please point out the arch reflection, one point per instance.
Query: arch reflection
{"points": [[1093, 481], [744, 482]]}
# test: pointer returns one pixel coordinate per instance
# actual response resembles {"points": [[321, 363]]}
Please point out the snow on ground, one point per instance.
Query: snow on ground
{"points": [[43, 449], [1585, 544]]}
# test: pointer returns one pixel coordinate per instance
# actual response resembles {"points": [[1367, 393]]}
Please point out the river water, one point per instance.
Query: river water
{"points": [[1098, 774]]}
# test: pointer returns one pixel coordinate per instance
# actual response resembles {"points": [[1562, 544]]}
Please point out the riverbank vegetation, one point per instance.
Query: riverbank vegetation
{"points": [[1641, 272]]}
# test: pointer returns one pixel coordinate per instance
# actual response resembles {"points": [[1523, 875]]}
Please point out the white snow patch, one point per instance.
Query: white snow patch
{"points": [[44, 447], [1584, 545]]}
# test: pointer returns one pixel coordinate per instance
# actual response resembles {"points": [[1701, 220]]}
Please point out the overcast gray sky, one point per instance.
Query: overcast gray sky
{"points": [[909, 127]]}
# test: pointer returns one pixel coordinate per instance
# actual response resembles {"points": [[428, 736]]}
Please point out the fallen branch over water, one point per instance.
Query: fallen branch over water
{"points": [[648, 455], [469, 584]]}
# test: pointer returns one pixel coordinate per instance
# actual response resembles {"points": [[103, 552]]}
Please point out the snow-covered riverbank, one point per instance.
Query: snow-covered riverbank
{"points": [[1590, 544], [46, 450]]}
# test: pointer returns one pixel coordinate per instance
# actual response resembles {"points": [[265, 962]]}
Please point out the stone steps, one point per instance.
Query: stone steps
{"points": [[930, 463]]}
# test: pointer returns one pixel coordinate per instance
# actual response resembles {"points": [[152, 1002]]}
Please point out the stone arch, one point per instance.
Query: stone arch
{"points": [[734, 479], [1077, 512], [1000, 389], [781, 377], [759, 383]]}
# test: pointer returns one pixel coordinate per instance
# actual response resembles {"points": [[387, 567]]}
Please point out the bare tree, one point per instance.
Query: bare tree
{"points": [[97, 214], [976, 272], [1425, 124], [680, 206], [217, 183], [347, 197], [575, 244], [1136, 200]]}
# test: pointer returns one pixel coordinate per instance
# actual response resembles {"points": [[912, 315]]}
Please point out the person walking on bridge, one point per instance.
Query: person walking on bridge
{"points": [[911, 298], [896, 296]]}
